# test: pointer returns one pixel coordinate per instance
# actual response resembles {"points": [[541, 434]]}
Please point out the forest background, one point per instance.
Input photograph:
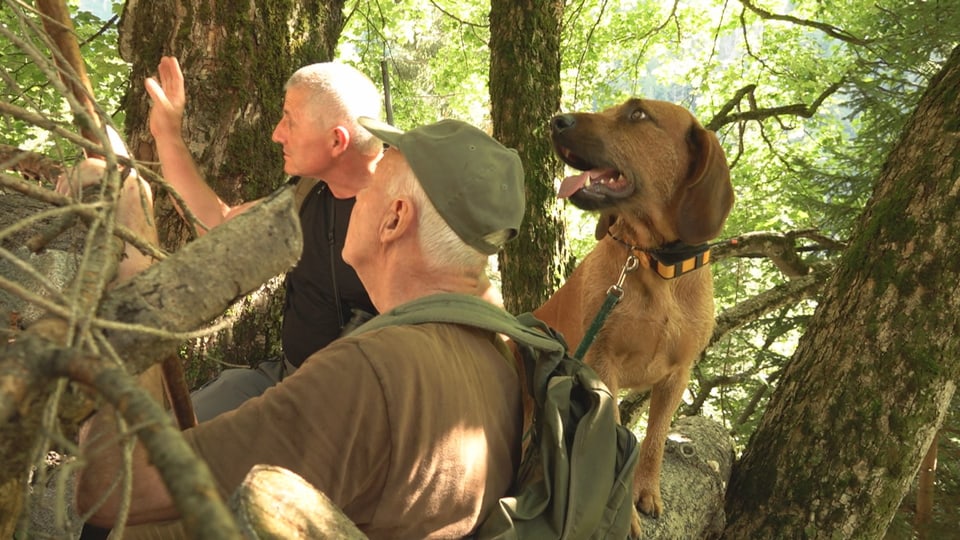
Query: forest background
{"points": [[808, 98]]}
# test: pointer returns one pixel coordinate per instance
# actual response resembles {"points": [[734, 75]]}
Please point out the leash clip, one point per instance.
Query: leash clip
{"points": [[630, 265]]}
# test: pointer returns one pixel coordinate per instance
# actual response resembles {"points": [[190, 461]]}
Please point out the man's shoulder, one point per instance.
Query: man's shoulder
{"points": [[470, 311], [440, 308], [390, 336], [422, 343]]}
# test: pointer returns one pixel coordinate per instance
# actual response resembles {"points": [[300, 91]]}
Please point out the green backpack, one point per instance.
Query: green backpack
{"points": [[576, 478]]}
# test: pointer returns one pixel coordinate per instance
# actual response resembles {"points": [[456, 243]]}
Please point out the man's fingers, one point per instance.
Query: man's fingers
{"points": [[171, 78], [155, 90]]}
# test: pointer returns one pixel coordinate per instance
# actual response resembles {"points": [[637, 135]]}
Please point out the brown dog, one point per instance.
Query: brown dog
{"points": [[661, 184]]}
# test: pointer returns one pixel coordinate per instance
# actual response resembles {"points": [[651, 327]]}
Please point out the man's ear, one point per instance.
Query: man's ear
{"points": [[341, 140], [397, 220]]}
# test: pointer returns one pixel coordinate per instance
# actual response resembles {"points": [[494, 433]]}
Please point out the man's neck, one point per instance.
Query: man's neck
{"points": [[351, 174]]}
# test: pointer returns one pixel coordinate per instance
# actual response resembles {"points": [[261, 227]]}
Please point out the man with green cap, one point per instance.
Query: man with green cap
{"points": [[413, 430]]}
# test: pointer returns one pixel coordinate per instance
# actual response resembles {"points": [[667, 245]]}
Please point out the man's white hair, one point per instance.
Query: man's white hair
{"points": [[340, 93], [441, 246]]}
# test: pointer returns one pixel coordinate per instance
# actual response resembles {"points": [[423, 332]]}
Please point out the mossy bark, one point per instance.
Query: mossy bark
{"points": [[872, 379], [525, 94]]}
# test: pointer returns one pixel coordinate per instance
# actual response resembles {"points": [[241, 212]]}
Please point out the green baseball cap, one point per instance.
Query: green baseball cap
{"points": [[474, 182]]}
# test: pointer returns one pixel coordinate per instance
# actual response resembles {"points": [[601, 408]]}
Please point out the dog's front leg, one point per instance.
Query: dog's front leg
{"points": [[665, 397]]}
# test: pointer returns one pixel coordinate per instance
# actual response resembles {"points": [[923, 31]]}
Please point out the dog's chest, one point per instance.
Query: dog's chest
{"points": [[657, 323]]}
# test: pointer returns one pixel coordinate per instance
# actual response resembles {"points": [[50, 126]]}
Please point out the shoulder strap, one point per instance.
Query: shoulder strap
{"points": [[471, 311], [302, 189]]}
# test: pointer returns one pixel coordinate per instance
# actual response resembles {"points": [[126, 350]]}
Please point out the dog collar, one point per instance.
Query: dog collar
{"points": [[672, 260]]}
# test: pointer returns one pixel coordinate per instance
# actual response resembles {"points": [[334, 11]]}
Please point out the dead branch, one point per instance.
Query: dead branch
{"points": [[167, 296], [140, 320], [188, 479], [780, 248]]}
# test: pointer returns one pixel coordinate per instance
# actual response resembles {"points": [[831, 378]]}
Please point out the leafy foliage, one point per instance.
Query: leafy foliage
{"points": [[436, 57], [26, 85]]}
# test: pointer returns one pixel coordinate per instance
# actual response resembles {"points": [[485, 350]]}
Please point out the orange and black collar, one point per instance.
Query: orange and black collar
{"points": [[672, 260]]}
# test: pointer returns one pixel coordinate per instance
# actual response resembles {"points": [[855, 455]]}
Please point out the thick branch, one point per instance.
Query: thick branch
{"points": [[697, 463], [306, 512], [228, 262], [780, 248], [198, 282]]}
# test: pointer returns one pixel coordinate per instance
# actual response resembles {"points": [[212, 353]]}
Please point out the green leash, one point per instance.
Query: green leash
{"points": [[614, 294]]}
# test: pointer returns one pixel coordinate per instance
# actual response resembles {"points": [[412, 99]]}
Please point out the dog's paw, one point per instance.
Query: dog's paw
{"points": [[649, 503]]}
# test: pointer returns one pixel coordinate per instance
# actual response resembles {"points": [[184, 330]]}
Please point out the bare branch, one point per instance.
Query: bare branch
{"points": [[455, 18], [828, 29], [780, 248], [725, 116]]}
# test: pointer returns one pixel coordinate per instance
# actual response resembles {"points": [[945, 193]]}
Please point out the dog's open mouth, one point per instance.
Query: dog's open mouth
{"points": [[594, 182]]}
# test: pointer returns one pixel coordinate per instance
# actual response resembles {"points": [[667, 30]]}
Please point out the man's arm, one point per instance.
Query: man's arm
{"points": [[166, 124], [101, 450]]}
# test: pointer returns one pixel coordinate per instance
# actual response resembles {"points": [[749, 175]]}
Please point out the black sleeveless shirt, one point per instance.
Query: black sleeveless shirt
{"points": [[321, 290]]}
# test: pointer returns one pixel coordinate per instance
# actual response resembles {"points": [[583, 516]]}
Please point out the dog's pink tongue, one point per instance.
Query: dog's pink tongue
{"points": [[572, 184]]}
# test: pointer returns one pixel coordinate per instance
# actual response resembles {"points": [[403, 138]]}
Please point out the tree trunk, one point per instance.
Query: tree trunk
{"points": [[871, 381], [236, 59], [524, 95]]}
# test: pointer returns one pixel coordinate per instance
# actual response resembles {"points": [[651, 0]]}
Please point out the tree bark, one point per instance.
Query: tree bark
{"points": [[870, 383], [524, 95]]}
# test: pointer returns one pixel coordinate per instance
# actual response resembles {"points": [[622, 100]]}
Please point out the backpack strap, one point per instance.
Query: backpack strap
{"points": [[303, 187], [470, 311], [541, 348]]}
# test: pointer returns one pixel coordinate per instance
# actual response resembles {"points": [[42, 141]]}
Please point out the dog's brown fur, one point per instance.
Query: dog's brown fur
{"points": [[681, 191]]}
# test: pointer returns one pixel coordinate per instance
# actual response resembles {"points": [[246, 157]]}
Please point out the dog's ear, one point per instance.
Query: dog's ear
{"points": [[606, 220], [707, 195]]}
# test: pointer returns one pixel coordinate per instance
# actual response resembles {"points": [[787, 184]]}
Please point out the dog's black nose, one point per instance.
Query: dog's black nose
{"points": [[562, 122]]}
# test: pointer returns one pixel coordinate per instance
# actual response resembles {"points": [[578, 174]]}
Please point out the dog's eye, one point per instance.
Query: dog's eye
{"points": [[638, 114]]}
